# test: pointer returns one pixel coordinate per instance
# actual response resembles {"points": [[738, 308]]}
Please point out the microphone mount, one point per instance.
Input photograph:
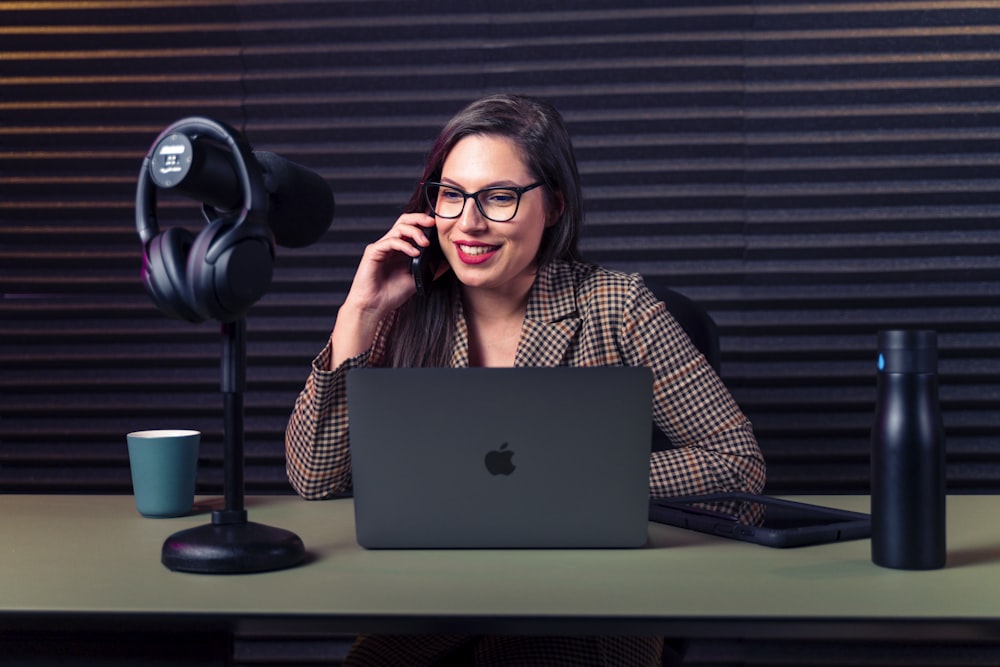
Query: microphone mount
{"points": [[232, 544], [190, 157]]}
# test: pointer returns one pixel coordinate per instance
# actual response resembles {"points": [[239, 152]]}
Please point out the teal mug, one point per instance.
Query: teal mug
{"points": [[164, 466]]}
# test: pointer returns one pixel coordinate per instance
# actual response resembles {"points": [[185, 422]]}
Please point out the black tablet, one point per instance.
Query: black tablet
{"points": [[773, 522]]}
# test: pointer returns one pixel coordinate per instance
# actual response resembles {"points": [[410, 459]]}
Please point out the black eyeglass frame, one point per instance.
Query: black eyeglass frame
{"points": [[474, 196]]}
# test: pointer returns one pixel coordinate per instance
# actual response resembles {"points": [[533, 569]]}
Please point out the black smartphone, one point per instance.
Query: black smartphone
{"points": [[425, 265]]}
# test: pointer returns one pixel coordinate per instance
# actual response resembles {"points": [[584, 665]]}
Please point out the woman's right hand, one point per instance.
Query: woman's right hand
{"points": [[382, 283]]}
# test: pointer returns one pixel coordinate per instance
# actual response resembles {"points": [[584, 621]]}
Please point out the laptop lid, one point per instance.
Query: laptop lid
{"points": [[500, 457]]}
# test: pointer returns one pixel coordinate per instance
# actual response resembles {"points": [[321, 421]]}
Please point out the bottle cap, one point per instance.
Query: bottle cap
{"points": [[907, 351]]}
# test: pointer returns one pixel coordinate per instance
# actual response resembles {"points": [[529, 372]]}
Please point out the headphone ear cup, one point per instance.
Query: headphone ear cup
{"points": [[227, 288], [164, 273]]}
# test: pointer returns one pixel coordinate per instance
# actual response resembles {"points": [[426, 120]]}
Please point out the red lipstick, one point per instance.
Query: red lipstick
{"points": [[479, 256]]}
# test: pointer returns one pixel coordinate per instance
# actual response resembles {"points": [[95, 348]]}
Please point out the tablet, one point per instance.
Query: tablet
{"points": [[773, 522]]}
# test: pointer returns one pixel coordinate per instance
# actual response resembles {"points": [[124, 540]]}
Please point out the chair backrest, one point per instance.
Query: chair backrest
{"points": [[695, 320], [700, 328]]}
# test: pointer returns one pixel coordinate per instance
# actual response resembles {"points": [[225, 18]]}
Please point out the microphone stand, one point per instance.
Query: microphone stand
{"points": [[231, 544]]}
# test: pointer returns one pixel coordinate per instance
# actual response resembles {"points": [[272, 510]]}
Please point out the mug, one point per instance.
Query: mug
{"points": [[164, 466]]}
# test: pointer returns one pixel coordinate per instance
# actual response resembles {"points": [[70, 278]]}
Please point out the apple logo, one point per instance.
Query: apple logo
{"points": [[498, 461]]}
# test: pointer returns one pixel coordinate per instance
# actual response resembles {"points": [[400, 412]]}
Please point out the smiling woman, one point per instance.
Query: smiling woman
{"points": [[495, 262], [512, 291]]}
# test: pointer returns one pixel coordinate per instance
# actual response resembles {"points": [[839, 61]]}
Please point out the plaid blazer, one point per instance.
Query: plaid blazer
{"points": [[577, 315]]}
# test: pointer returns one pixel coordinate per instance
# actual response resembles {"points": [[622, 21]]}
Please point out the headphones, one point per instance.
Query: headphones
{"points": [[220, 273]]}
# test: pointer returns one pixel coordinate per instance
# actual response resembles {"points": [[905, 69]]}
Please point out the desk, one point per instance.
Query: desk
{"points": [[92, 562]]}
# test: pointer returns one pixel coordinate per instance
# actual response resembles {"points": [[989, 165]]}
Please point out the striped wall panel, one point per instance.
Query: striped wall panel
{"points": [[811, 172]]}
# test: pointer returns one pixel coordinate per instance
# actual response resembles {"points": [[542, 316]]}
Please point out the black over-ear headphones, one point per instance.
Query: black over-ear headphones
{"points": [[220, 273]]}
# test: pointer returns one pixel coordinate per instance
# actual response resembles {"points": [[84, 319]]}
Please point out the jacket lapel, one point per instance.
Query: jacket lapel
{"points": [[551, 321]]}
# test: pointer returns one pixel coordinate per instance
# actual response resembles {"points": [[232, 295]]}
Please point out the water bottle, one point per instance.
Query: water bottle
{"points": [[908, 485]]}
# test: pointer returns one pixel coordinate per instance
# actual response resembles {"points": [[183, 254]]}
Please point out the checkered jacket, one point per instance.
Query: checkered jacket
{"points": [[577, 315]]}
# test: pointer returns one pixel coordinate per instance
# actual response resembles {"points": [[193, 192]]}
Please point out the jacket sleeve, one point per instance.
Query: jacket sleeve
{"points": [[714, 447], [317, 446], [317, 440]]}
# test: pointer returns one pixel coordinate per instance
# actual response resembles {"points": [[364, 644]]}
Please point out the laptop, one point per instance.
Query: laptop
{"points": [[452, 458]]}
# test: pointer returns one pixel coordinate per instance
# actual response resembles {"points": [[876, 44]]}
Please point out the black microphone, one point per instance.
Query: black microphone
{"points": [[300, 202]]}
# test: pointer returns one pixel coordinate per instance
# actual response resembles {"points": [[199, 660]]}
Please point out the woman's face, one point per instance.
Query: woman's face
{"points": [[483, 253]]}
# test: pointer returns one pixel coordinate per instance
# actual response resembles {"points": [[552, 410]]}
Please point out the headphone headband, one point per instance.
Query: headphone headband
{"points": [[255, 200]]}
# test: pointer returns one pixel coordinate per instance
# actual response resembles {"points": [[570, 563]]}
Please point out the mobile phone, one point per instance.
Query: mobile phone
{"points": [[425, 265]]}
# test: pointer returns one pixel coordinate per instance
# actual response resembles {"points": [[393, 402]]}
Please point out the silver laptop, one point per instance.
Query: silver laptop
{"points": [[451, 458]]}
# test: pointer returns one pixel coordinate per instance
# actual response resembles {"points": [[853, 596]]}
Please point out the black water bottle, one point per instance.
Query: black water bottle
{"points": [[908, 485]]}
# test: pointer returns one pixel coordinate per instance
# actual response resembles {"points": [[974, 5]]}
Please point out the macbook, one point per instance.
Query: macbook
{"points": [[500, 457]]}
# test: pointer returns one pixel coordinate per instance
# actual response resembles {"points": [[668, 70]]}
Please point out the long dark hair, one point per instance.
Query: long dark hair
{"points": [[423, 332]]}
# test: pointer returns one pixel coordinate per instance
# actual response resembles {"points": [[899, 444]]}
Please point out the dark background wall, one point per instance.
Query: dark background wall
{"points": [[810, 172]]}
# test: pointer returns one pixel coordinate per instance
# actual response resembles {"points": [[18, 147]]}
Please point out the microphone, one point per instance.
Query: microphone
{"points": [[300, 203]]}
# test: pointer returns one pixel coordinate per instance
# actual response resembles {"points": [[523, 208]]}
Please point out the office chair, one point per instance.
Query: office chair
{"points": [[700, 328]]}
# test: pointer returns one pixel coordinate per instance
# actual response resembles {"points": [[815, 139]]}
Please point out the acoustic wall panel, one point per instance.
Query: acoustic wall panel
{"points": [[811, 172]]}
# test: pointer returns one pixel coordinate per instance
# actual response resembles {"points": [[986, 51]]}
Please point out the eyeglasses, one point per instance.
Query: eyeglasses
{"points": [[498, 204]]}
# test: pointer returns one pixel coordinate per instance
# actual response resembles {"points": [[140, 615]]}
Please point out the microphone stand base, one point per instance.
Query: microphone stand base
{"points": [[232, 548]]}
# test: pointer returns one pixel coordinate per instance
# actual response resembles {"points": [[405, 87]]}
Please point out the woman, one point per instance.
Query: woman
{"points": [[501, 189]]}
